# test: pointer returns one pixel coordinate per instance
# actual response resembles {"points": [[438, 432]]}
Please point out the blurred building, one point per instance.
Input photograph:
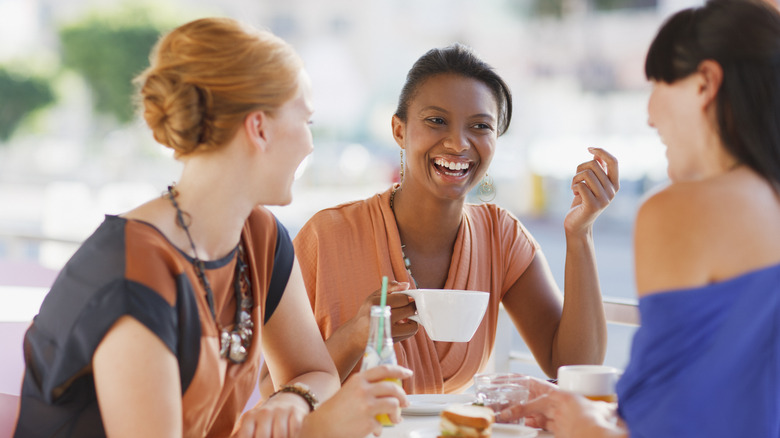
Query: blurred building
{"points": [[575, 68]]}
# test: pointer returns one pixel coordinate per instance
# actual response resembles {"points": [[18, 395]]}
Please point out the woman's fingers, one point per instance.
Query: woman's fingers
{"points": [[383, 372], [404, 330], [611, 164], [400, 312], [397, 300], [392, 286], [589, 188], [597, 179]]}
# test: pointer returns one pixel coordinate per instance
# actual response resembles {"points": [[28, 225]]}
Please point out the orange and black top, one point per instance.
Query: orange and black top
{"points": [[128, 267]]}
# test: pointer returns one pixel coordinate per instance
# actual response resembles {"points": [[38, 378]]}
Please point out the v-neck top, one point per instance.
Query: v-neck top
{"points": [[128, 267], [344, 251]]}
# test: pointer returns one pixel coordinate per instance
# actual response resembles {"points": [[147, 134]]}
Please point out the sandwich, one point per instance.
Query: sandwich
{"points": [[466, 421]]}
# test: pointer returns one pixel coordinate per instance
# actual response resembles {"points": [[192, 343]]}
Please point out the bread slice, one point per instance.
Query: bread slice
{"points": [[468, 420]]}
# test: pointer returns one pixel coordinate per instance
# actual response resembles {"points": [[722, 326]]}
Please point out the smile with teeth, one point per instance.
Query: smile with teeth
{"points": [[451, 168]]}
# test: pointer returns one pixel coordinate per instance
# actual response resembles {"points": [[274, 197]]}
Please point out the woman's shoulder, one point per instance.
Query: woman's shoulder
{"points": [[490, 212], [494, 220], [693, 233], [344, 214], [723, 199]]}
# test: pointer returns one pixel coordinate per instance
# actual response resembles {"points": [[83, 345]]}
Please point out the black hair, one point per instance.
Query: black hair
{"points": [[743, 37], [461, 60]]}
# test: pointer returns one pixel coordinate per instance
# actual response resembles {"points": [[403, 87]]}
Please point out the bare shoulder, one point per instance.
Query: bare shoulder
{"points": [[694, 233], [672, 213], [152, 212]]}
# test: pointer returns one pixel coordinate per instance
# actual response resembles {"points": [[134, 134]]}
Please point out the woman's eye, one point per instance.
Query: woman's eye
{"points": [[483, 126], [436, 120]]}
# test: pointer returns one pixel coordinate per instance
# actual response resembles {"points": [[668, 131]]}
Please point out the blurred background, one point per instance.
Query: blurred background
{"points": [[72, 148]]}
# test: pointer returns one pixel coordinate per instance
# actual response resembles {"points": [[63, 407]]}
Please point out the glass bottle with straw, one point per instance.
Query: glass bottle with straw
{"points": [[379, 349]]}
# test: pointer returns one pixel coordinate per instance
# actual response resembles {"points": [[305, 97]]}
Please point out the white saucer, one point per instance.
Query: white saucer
{"points": [[499, 431], [433, 404]]}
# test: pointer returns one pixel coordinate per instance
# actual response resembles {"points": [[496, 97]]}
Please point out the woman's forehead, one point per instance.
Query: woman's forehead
{"points": [[451, 91]]}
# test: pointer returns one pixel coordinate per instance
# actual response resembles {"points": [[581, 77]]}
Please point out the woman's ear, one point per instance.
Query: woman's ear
{"points": [[399, 130], [256, 128], [711, 79]]}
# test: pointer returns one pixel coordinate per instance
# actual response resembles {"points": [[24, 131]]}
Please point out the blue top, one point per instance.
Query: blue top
{"points": [[706, 361]]}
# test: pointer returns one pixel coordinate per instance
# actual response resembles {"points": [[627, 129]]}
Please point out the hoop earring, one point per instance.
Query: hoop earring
{"points": [[401, 172], [487, 191]]}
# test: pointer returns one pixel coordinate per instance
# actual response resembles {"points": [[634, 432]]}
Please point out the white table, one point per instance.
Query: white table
{"points": [[412, 423]]}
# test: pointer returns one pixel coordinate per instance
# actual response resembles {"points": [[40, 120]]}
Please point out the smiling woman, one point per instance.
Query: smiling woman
{"points": [[449, 138], [157, 325], [422, 234]]}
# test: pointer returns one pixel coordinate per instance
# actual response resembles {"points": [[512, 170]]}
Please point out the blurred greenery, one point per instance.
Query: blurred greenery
{"points": [[559, 8], [20, 96], [605, 5], [109, 52], [553, 8]]}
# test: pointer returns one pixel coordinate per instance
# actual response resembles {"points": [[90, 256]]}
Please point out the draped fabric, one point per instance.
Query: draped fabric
{"points": [[706, 361], [344, 251], [128, 267]]}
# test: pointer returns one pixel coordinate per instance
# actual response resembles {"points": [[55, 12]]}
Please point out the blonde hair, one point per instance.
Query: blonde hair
{"points": [[207, 75]]}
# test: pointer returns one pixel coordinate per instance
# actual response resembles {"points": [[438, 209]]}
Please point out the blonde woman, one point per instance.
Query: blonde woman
{"points": [[156, 326]]}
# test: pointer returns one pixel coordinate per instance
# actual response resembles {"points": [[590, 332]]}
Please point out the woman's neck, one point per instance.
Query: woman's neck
{"points": [[217, 203], [425, 222], [214, 200]]}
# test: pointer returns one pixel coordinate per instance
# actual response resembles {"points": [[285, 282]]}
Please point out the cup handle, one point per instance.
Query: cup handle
{"points": [[411, 293]]}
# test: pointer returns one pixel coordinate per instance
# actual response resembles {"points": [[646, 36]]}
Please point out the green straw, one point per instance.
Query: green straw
{"points": [[382, 303]]}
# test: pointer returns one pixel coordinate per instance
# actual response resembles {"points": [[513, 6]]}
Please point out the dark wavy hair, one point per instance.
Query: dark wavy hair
{"points": [[461, 60], [743, 36]]}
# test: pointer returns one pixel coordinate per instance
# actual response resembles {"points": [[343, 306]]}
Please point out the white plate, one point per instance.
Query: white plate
{"points": [[433, 404], [499, 431]]}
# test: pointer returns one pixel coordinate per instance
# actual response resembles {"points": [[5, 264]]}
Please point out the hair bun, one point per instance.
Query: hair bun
{"points": [[175, 111]]}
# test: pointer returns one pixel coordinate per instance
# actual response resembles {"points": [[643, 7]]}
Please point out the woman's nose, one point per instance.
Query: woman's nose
{"points": [[457, 140]]}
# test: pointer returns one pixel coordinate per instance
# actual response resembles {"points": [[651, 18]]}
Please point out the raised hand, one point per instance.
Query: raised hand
{"points": [[594, 185]]}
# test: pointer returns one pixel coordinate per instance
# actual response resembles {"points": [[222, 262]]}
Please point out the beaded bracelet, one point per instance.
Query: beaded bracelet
{"points": [[303, 391]]}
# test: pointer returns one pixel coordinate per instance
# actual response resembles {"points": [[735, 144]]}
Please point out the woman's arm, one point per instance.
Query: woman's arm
{"points": [[137, 383], [351, 413], [348, 342], [294, 352], [574, 332]]}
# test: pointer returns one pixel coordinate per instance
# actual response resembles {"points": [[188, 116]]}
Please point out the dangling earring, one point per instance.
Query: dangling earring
{"points": [[401, 172], [487, 191]]}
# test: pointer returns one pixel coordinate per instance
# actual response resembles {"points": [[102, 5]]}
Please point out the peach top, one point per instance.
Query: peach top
{"points": [[344, 251], [128, 267]]}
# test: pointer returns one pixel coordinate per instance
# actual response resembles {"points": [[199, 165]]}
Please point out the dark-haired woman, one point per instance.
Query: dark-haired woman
{"points": [[706, 360], [421, 233], [156, 326]]}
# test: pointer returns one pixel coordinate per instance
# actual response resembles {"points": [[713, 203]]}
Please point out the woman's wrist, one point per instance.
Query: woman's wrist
{"points": [[301, 390], [580, 236]]}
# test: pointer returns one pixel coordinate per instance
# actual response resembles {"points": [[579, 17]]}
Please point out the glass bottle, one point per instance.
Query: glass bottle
{"points": [[379, 349]]}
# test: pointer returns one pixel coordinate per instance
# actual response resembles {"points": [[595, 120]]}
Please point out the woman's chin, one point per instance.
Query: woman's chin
{"points": [[280, 200]]}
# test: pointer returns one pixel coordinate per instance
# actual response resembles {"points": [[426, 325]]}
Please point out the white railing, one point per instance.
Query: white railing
{"points": [[505, 358]]}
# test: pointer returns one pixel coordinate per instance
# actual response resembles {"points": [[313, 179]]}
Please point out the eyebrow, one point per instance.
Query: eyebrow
{"points": [[440, 109]]}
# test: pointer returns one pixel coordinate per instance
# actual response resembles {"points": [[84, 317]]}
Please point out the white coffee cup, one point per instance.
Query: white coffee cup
{"points": [[596, 382], [449, 315]]}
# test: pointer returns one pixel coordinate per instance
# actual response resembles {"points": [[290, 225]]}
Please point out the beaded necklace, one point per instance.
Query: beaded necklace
{"points": [[407, 262], [233, 345]]}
